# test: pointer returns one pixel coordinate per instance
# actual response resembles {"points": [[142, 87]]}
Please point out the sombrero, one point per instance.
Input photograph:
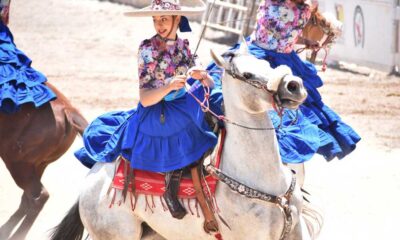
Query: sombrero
{"points": [[170, 7]]}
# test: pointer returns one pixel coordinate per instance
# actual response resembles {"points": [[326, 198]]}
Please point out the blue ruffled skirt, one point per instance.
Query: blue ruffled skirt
{"points": [[148, 140], [317, 128], [19, 82]]}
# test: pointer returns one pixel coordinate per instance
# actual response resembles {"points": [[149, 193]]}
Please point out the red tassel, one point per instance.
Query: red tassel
{"points": [[218, 236]]}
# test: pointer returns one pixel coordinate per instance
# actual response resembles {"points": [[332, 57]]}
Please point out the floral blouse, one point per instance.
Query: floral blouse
{"points": [[160, 60], [279, 24]]}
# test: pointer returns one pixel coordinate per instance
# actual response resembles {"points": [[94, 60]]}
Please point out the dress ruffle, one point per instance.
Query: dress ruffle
{"points": [[19, 82], [314, 129], [148, 143]]}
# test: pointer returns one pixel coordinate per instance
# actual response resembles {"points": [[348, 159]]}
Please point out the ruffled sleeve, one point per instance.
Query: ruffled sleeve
{"points": [[146, 64]]}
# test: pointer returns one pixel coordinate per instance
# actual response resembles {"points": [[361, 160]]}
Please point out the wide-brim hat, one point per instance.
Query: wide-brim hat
{"points": [[170, 7]]}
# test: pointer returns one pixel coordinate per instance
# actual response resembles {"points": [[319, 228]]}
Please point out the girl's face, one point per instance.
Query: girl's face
{"points": [[166, 26]]}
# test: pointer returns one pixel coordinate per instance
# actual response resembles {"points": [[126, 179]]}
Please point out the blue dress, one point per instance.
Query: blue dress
{"points": [[19, 82], [318, 129], [163, 137]]}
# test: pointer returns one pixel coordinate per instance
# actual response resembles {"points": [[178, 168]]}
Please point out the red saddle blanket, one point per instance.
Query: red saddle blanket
{"points": [[151, 183]]}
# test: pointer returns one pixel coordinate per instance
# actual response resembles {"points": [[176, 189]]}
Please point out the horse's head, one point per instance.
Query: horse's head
{"points": [[322, 25], [254, 83]]}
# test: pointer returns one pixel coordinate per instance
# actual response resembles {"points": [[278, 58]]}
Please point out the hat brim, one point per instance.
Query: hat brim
{"points": [[188, 8]]}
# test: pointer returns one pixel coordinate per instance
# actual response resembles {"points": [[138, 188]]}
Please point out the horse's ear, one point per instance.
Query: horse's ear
{"points": [[244, 48], [219, 60]]}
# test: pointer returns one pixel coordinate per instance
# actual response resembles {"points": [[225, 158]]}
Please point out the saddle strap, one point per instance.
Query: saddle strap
{"points": [[210, 222]]}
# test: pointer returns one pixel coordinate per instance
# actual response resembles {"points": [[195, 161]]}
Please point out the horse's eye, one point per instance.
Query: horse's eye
{"points": [[248, 75]]}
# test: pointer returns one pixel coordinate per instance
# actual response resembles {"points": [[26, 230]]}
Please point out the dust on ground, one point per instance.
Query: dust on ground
{"points": [[88, 50]]}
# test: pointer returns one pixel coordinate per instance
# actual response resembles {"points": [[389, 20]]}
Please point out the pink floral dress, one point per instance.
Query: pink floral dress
{"points": [[160, 60], [279, 24]]}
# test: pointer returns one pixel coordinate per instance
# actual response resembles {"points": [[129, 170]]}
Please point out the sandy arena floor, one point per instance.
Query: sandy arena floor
{"points": [[88, 50]]}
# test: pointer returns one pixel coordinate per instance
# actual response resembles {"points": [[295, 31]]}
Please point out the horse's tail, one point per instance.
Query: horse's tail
{"points": [[71, 226], [76, 119], [313, 219]]}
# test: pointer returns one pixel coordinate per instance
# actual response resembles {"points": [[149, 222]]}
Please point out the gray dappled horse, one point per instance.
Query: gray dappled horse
{"points": [[272, 206]]}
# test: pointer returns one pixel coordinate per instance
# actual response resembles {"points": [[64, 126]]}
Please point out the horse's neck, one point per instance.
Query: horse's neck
{"points": [[252, 156]]}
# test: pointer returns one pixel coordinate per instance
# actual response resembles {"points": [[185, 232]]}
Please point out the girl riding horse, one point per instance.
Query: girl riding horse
{"points": [[314, 128], [167, 130]]}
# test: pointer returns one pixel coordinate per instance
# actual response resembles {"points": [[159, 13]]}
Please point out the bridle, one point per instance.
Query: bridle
{"points": [[248, 79]]}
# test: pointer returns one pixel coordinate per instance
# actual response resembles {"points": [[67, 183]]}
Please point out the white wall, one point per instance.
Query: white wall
{"points": [[379, 49]]}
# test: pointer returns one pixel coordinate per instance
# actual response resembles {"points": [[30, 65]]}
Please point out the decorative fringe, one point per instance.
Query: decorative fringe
{"points": [[153, 205], [113, 198], [133, 201], [148, 205], [165, 208], [197, 208], [190, 208]]}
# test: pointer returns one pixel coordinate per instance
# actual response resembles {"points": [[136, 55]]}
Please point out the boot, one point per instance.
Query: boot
{"points": [[172, 180], [210, 223]]}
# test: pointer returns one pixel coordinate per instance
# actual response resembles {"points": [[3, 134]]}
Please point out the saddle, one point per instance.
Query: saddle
{"points": [[150, 184]]}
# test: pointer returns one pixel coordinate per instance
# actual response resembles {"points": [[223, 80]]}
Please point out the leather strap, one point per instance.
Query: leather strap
{"points": [[210, 223]]}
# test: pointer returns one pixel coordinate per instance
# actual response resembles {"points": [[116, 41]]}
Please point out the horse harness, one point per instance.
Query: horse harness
{"points": [[282, 202]]}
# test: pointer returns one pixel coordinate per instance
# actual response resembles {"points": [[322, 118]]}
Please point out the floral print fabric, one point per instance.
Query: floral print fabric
{"points": [[160, 60], [279, 24]]}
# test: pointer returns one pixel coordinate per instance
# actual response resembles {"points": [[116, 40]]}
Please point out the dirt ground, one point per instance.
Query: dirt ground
{"points": [[87, 48]]}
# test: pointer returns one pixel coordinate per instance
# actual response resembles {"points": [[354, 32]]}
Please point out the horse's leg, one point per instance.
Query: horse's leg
{"points": [[8, 227], [34, 197]]}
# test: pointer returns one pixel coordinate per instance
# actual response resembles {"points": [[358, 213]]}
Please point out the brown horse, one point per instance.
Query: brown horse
{"points": [[323, 29], [31, 139]]}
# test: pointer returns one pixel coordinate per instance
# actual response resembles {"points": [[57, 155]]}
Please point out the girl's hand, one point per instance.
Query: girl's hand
{"points": [[311, 44], [177, 82], [198, 74]]}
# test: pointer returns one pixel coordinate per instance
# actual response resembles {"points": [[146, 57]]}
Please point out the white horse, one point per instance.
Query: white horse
{"points": [[250, 157]]}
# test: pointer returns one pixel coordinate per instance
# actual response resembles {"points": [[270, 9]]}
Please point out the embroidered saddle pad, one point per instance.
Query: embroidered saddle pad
{"points": [[151, 183]]}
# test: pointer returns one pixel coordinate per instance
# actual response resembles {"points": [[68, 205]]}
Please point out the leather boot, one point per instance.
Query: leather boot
{"points": [[172, 180]]}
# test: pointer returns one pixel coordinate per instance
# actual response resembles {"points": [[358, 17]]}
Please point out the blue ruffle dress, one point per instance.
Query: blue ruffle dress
{"points": [[148, 142], [318, 128], [19, 82]]}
